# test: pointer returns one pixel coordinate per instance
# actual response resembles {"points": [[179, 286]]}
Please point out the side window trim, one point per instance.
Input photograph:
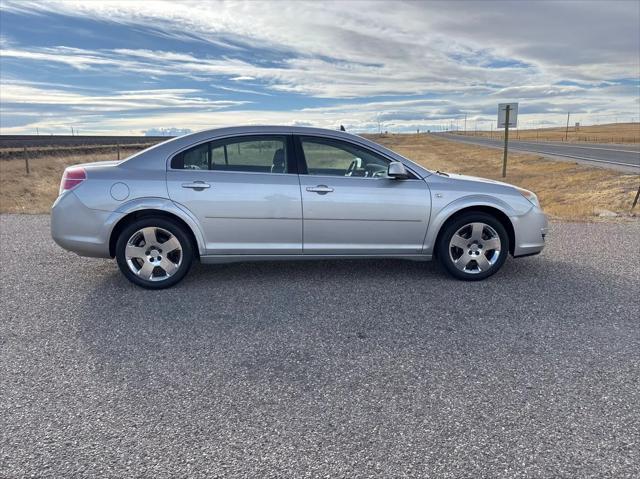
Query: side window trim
{"points": [[300, 161], [292, 156]]}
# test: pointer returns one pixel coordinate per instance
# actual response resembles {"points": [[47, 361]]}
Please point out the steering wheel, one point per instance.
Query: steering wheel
{"points": [[375, 171]]}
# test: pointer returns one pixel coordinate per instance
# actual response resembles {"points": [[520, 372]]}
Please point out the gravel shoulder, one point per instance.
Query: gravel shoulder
{"points": [[322, 369]]}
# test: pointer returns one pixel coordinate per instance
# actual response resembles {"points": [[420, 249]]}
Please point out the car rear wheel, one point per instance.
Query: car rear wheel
{"points": [[473, 246], [154, 253]]}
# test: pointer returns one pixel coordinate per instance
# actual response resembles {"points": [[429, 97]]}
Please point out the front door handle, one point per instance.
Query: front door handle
{"points": [[196, 185], [321, 189]]}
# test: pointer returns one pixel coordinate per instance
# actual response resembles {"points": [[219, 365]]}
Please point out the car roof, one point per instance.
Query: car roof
{"points": [[266, 129]]}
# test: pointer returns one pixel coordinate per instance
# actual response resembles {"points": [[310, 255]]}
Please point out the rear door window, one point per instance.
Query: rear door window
{"points": [[256, 154]]}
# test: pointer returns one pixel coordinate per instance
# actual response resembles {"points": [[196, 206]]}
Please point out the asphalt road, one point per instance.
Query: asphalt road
{"points": [[322, 369], [614, 156]]}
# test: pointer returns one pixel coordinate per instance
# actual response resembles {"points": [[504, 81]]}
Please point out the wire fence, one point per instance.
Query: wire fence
{"points": [[14, 153], [554, 136]]}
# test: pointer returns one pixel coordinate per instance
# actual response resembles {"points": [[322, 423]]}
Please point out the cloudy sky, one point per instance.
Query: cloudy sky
{"points": [[129, 67]]}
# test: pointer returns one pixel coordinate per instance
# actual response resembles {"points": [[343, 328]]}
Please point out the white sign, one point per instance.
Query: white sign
{"points": [[513, 115]]}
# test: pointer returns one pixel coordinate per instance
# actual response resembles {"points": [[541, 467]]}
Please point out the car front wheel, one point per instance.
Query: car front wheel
{"points": [[154, 253], [473, 246]]}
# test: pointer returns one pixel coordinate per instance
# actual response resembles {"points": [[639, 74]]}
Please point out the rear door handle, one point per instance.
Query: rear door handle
{"points": [[321, 189], [196, 185]]}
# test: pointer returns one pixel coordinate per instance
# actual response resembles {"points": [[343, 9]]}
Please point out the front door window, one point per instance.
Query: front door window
{"points": [[337, 158]]}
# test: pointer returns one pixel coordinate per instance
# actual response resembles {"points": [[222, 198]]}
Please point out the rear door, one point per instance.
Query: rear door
{"points": [[244, 193], [350, 204]]}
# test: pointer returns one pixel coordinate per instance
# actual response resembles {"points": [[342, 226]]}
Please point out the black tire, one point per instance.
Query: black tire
{"points": [[444, 252], [168, 225]]}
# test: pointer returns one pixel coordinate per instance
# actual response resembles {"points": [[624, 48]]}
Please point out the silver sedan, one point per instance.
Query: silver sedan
{"points": [[278, 193]]}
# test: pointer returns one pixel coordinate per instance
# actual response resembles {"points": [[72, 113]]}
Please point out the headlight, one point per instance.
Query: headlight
{"points": [[530, 195]]}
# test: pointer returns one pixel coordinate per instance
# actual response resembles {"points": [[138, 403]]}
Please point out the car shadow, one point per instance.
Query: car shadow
{"points": [[312, 307]]}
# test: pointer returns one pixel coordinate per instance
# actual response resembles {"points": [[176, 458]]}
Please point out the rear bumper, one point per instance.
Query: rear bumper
{"points": [[530, 231], [82, 230]]}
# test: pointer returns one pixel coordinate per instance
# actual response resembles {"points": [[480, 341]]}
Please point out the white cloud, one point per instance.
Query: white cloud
{"points": [[469, 54], [14, 93], [394, 33], [309, 76]]}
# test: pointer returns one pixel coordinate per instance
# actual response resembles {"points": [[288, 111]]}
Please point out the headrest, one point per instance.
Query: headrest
{"points": [[278, 158]]}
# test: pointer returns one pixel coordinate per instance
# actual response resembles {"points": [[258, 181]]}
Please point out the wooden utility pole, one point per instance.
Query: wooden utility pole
{"points": [[506, 141], [118, 148], [566, 131], [465, 124]]}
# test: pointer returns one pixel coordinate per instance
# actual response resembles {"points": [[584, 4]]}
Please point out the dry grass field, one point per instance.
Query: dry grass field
{"points": [[610, 133], [70, 150], [566, 190], [34, 193]]}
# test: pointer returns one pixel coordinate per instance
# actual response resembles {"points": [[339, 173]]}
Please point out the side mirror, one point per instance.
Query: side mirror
{"points": [[397, 171]]}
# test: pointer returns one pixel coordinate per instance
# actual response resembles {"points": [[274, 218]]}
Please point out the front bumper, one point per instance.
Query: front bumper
{"points": [[80, 229], [530, 231]]}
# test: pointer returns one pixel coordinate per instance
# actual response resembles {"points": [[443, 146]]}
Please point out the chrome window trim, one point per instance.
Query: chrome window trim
{"points": [[237, 172], [359, 177]]}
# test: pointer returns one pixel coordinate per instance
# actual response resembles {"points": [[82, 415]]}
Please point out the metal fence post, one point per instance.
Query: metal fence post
{"points": [[26, 160]]}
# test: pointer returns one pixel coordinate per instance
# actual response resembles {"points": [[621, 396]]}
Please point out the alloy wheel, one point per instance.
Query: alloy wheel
{"points": [[475, 248], [153, 254]]}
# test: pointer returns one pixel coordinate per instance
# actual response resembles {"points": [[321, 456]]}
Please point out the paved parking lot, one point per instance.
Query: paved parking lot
{"points": [[333, 369]]}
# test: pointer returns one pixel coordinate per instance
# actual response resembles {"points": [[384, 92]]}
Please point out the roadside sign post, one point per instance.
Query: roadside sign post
{"points": [[506, 142], [507, 116]]}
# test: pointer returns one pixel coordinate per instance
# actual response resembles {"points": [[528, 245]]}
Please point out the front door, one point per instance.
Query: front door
{"points": [[351, 206], [242, 193]]}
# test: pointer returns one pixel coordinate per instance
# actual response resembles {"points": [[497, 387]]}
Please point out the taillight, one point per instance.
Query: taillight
{"points": [[71, 178]]}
